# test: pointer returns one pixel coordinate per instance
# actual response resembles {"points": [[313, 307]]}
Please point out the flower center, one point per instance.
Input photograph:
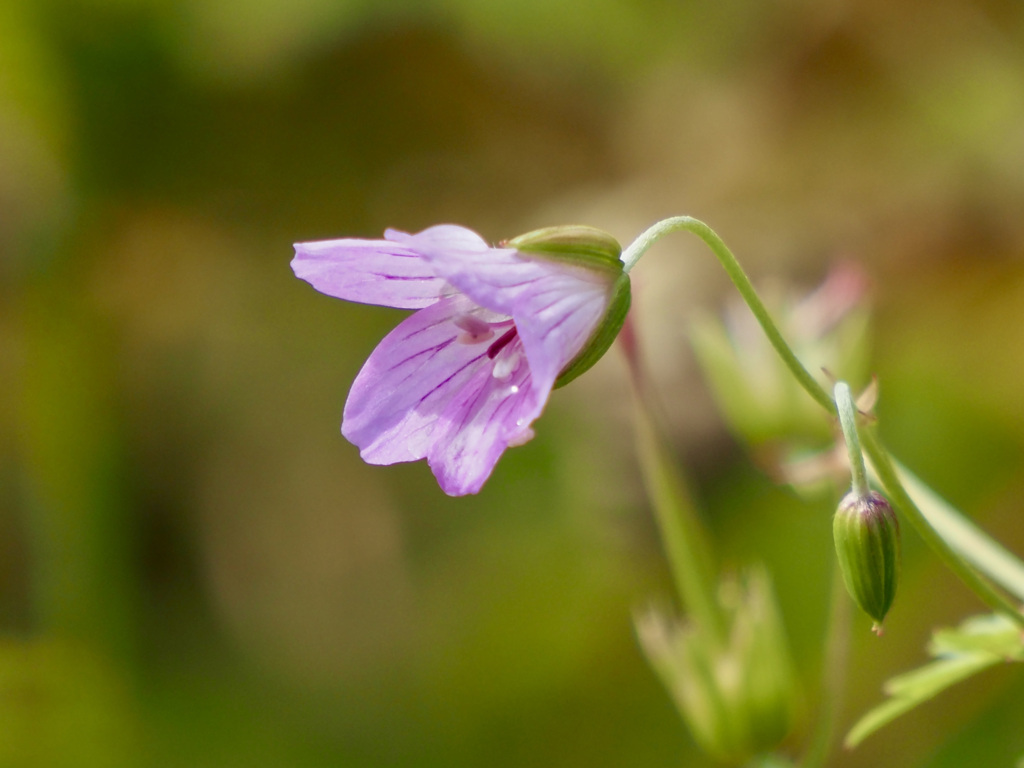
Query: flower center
{"points": [[475, 330]]}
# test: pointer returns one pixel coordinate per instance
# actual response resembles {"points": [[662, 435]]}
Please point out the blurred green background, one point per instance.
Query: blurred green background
{"points": [[197, 570]]}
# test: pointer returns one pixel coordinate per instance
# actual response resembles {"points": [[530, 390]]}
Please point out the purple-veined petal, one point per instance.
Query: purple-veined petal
{"points": [[487, 416], [369, 271], [558, 317], [556, 305], [410, 378], [442, 238]]}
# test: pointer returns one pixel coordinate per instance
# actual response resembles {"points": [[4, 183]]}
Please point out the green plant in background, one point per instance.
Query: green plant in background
{"points": [[194, 570], [867, 543], [739, 692]]}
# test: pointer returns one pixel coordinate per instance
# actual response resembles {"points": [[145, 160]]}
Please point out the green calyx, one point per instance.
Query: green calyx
{"points": [[603, 336], [589, 248], [575, 244], [867, 539]]}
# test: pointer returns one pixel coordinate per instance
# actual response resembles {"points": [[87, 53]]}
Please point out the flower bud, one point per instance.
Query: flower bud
{"points": [[867, 538], [591, 249]]}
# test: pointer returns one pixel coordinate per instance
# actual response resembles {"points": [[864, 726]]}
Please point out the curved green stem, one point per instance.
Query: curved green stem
{"points": [[876, 452], [848, 421], [739, 278]]}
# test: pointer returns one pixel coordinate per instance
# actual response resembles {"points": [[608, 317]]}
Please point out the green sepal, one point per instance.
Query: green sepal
{"points": [[867, 539], [603, 336], [576, 244]]}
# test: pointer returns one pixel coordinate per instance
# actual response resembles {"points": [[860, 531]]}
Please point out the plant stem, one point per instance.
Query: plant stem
{"points": [[684, 539], [879, 457], [833, 682], [739, 278], [689, 553], [974, 545], [848, 421]]}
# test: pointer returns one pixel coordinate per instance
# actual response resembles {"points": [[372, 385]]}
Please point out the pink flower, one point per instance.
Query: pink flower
{"points": [[464, 377]]}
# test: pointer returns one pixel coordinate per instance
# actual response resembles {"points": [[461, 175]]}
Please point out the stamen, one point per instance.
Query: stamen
{"points": [[502, 342], [505, 366]]}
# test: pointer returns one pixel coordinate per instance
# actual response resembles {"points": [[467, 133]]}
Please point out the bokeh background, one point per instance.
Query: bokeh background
{"points": [[197, 570]]}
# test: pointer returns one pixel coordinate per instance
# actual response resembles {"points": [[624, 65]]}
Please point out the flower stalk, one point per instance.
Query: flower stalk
{"points": [[742, 282], [848, 422], [879, 457], [686, 544], [974, 545]]}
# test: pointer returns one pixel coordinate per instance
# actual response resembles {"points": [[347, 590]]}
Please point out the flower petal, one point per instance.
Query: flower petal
{"points": [[410, 379], [558, 317], [556, 306], [486, 416], [368, 271], [441, 238]]}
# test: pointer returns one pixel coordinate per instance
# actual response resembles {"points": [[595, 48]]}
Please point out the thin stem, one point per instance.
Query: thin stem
{"points": [[686, 544], [848, 421], [739, 278], [886, 472], [833, 683]]}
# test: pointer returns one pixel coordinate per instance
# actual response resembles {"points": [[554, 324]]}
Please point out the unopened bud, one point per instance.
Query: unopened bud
{"points": [[867, 537]]}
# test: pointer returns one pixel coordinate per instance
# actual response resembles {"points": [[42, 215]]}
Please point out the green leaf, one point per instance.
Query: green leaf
{"points": [[984, 553], [978, 643], [993, 633], [912, 689]]}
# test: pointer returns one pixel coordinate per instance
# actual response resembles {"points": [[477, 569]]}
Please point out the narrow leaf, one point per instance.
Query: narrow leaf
{"points": [[914, 688], [977, 643]]}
